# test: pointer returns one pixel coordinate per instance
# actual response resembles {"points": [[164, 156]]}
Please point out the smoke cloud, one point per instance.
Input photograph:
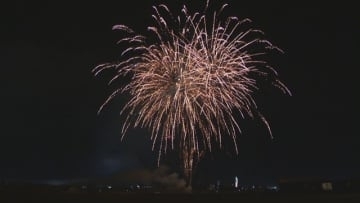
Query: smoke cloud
{"points": [[160, 177]]}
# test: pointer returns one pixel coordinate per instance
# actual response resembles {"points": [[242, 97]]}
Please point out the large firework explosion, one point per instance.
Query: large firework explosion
{"points": [[187, 86]]}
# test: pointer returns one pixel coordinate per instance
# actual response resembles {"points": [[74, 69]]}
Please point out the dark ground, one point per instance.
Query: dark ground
{"points": [[54, 197]]}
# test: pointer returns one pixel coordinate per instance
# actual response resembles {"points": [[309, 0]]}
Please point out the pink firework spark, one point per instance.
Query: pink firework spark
{"points": [[187, 85]]}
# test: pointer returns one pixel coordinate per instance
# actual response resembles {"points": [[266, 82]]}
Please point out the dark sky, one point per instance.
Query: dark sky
{"points": [[49, 98]]}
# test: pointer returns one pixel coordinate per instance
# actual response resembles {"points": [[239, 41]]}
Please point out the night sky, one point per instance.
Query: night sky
{"points": [[50, 130]]}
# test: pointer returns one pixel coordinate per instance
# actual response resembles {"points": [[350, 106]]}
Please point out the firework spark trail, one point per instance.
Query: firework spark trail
{"points": [[186, 86]]}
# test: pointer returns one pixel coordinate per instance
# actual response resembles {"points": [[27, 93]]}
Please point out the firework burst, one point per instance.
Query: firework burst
{"points": [[186, 87]]}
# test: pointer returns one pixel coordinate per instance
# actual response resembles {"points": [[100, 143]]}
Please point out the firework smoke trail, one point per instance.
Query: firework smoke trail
{"points": [[186, 87]]}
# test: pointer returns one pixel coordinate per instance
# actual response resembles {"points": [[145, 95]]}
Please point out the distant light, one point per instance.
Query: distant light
{"points": [[236, 182], [55, 182], [327, 186], [273, 187], [109, 187]]}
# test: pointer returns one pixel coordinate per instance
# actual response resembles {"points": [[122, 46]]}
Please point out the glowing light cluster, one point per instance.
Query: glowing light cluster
{"points": [[186, 86]]}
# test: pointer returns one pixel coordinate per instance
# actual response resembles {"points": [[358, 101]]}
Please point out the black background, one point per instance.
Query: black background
{"points": [[49, 98]]}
